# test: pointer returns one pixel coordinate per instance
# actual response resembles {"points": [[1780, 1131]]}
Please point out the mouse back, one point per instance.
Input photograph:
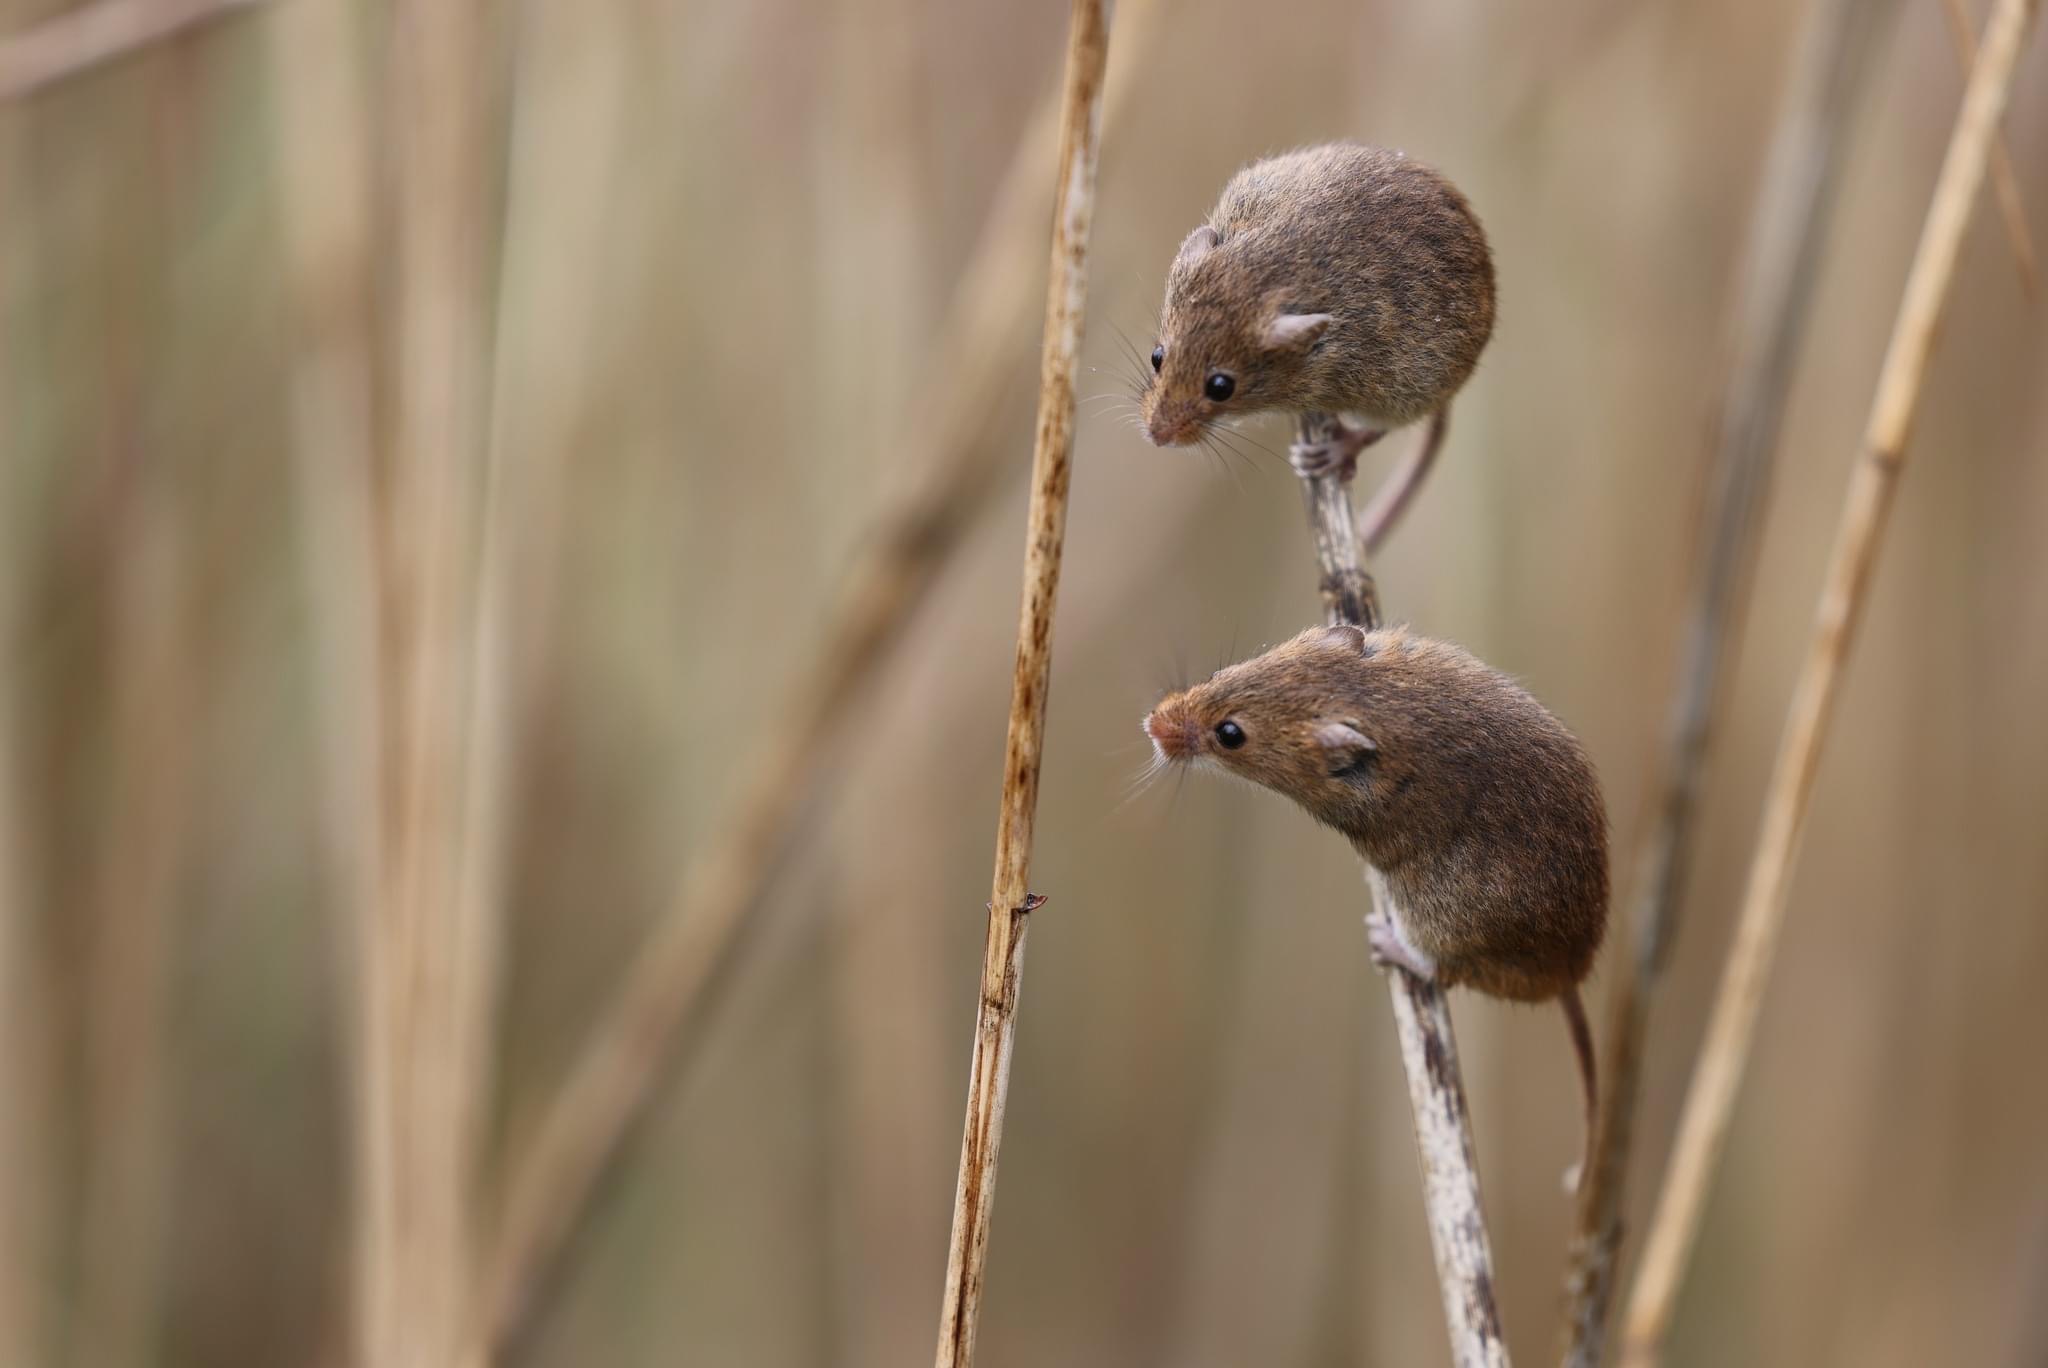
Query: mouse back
{"points": [[1342, 278], [1478, 806]]}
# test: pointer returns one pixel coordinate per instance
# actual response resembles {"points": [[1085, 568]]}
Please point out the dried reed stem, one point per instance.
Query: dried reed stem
{"points": [[1422, 1015], [1011, 902], [89, 36], [1788, 225], [432, 950], [154, 696], [586, 1121], [24, 1019], [1703, 1129], [23, 1104], [322, 164], [2004, 182]]}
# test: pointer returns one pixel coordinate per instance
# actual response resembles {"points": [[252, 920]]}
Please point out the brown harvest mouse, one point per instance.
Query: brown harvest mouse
{"points": [[1341, 279], [1478, 813]]}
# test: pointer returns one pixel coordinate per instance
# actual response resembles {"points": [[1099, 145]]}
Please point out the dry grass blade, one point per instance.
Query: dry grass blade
{"points": [[1011, 901], [23, 1145], [155, 692], [427, 976], [90, 36], [1793, 206], [24, 1022], [2011, 207], [323, 172], [1703, 1128], [585, 1122], [1422, 1015]]}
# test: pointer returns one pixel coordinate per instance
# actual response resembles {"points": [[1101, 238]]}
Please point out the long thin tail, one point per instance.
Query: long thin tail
{"points": [[1390, 500], [1582, 1041]]}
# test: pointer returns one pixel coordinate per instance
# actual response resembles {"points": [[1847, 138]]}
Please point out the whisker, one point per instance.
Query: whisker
{"points": [[1142, 781], [1207, 440], [1246, 439]]}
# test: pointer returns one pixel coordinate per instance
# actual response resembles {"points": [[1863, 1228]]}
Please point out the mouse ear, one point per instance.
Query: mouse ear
{"points": [[1344, 746], [1290, 330], [1197, 245], [1347, 637]]}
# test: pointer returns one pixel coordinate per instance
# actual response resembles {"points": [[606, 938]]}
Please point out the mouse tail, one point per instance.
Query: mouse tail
{"points": [[1582, 1043], [1391, 499]]}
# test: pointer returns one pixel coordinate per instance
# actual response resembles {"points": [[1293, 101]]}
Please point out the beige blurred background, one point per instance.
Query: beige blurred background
{"points": [[730, 233]]}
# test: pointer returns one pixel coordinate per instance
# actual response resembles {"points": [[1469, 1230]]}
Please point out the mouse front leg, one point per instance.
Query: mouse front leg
{"points": [[1335, 454], [1390, 945]]}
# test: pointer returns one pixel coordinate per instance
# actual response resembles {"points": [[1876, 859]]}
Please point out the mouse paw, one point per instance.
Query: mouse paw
{"points": [[1337, 455], [1391, 946]]}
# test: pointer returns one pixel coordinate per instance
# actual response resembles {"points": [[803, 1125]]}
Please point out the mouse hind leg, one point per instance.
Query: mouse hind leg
{"points": [[1335, 452], [1391, 945]]}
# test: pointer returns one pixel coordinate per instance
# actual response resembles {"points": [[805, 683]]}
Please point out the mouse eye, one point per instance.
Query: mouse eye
{"points": [[1229, 735], [1219, 386], [1158, 358]]}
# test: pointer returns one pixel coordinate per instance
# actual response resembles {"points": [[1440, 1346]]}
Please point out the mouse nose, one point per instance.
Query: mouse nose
{"points": [[1166, 432], [1170, 737]]}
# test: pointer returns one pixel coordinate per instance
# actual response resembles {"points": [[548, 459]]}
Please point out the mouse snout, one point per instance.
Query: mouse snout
{"points": [[1172, 736], [1167, 429], [1168, 421]]}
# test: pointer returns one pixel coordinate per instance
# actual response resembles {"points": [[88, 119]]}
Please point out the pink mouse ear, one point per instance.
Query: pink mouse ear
{"points": [[1197, 245], [1290, 330], [1344, 746], [1346, 637]]}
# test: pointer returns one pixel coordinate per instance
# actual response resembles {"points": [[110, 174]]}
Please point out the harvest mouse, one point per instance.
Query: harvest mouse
{"points": [[1476, 812], [1341, 279]]}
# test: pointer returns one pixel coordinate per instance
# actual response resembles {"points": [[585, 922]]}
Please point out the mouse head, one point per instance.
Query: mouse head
{"points": [[1226, 346], [1300, 720]]}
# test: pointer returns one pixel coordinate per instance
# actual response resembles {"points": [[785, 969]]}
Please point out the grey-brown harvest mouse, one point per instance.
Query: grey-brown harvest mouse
{"points": [[1479, 813], [1342, 279]]}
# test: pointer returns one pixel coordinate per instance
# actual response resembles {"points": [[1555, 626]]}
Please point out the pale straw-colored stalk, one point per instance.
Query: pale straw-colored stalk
{"points": [[1011, 901], [1773, 301], [1422, 1014], [1703, 1127]]}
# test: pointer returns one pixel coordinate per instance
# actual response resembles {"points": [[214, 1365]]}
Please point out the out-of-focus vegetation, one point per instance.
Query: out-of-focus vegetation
{"points": [[729, 234]]}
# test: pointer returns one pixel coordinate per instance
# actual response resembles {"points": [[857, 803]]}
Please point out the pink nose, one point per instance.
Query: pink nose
{"points": [[1173, 741], [1164, 433]]}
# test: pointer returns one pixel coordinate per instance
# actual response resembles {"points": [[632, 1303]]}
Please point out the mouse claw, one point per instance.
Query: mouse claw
{"points": [[1336, 455], [1391, 947]]}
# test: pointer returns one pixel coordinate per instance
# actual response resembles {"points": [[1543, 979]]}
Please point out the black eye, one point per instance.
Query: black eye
{"points": [[1229, 735], [1219, 386], [1158, 357]]}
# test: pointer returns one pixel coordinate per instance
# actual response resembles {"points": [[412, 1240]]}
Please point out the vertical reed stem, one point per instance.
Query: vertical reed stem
{"points": [[1703, 1128], [1422, 1016], [1011, 902], [1787, 228]]}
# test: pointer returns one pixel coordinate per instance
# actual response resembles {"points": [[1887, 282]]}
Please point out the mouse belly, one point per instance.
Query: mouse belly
{"points": [[1510, 954]]}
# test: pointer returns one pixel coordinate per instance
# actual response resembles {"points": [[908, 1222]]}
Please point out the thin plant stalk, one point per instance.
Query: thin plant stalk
{"points": [[1422, 1014], [1703, 1127], [1793, 206], [2011, 206], [154, 696], [1010, 901], [585, 1121], [322, 168], [25, 1303], [23, 1071], [432, 950], [89, 36]]}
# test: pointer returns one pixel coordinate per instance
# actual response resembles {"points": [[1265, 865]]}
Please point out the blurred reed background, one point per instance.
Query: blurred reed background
{"points": [[680, 272]]}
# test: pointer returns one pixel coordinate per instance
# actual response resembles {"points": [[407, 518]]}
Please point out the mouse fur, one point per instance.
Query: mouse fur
{"points": [[1342, 278]]}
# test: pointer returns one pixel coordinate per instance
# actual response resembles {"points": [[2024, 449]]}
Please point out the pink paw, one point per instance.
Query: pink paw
{"points": [[1338, 455], [1390, 946]]}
